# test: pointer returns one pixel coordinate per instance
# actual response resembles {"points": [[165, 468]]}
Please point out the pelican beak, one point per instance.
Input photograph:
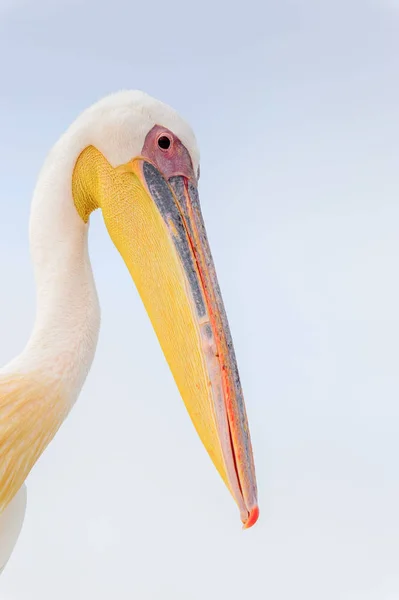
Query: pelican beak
{"points": [[157, 226]]}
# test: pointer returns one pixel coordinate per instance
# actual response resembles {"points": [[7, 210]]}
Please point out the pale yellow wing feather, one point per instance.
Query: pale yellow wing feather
{"points": [[31, 411]]}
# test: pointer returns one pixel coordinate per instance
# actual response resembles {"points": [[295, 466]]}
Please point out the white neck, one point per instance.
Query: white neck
{"points": [[64, 338]]}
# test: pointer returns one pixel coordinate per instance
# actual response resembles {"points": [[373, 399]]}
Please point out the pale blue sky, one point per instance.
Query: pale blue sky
{"points": [[296, 109]]}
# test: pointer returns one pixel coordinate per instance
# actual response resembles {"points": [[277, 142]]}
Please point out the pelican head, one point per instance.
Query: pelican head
{"points": [[137, 160]]}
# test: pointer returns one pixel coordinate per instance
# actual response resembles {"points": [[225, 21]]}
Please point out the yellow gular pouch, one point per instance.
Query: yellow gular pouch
{"points": [[145, 243]]}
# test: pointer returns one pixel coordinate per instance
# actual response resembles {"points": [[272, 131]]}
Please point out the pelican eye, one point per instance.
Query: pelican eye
{"points": [[164, 142]]}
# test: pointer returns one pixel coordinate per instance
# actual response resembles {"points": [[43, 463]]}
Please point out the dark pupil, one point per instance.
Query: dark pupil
{"points": [[164, 142]]}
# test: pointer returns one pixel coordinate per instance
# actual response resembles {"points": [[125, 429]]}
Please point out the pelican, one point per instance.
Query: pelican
{"points": [[137, 160]]}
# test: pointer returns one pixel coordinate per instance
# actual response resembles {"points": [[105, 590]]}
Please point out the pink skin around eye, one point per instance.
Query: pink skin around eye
{"points": [[172, 161]]}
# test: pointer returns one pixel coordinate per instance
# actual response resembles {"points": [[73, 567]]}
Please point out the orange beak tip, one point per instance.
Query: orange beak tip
{"points": [[252, 518]]}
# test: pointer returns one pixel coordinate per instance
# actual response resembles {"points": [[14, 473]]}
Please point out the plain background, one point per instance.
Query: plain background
{"points": [[296, 109]]}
